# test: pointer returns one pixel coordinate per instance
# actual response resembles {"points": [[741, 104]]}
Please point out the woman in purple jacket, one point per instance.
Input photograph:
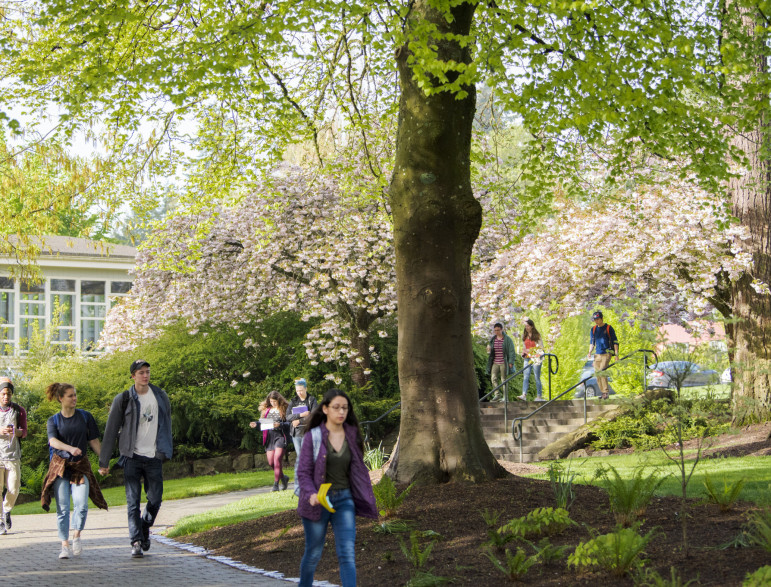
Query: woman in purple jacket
{"points": [[339, 461]]}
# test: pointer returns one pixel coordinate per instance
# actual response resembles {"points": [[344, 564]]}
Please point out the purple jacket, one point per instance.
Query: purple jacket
{"points": [[311, 475]]}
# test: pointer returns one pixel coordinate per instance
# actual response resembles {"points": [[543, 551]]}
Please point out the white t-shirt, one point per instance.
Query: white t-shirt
{"points": [[147, 431]]}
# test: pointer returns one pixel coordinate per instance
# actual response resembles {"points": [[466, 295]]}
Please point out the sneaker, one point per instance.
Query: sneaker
{"points": [[523, 397], [8, 520], [3, 529], [65, 553], [284, 482], [540, 399], [136, 550], [77, 547], [145, 542], [275, 486]]}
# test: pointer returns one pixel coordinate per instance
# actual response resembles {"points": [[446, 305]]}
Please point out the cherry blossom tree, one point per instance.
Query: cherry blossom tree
{"points": [[675, 248], [298, 242]]}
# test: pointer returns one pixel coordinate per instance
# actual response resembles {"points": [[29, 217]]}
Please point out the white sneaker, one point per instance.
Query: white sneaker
{"points": [[77, 547], [523, 397], [65, 553], [540, 399]]}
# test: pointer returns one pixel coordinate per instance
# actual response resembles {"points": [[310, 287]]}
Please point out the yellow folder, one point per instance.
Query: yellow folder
{"points": [[323, 499]]}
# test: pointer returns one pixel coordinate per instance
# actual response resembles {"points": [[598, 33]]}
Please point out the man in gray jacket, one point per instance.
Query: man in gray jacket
{"points": [[140, 419]]}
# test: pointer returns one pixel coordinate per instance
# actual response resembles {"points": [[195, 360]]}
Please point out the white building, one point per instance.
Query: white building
{"points": [[82, 281]]}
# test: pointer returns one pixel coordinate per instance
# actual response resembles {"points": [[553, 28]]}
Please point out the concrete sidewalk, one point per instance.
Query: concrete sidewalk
{"points": [[29, 552]]}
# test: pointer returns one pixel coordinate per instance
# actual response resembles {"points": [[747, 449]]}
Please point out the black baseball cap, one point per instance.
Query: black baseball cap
{"points": [[138, 364], [596, 315]]}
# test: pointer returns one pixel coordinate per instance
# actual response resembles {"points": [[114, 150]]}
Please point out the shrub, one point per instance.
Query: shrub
{"points": [[418, 556], [725, 498], [759, 578], [759, 529], [539, 522], [650, 578], [629, 498], [562, 485], [617, 552], [549, 553], [394, 526], [516, 565], [32, 479], [387, 498], [375, 458]]}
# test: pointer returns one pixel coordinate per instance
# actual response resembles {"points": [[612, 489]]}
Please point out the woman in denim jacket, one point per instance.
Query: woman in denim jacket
{"points": [[339, 461]]}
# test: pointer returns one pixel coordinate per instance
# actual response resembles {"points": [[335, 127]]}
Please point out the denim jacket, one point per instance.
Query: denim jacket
{"points": [[311, 475]]}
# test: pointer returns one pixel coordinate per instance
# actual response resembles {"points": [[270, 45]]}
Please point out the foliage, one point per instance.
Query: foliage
{"points": [[650, 578], [548, 552], [725, 498], [516, 565], [561, 480], [618, 552], [629, 498], [394, 526], [539, 522], [759, 578], [32, 479], [387, 497], [375, 458], [417, 554], [491, 518], [759, 529]]}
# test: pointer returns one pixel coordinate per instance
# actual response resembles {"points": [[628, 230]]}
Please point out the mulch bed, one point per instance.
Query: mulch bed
{"points": [[455, 511]]}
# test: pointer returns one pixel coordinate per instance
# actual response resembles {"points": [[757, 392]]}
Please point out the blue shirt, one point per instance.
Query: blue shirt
{"points": [[604, 338]]}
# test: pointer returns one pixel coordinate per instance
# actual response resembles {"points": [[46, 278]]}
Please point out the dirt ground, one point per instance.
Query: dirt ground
{"points": [[455, 511]]}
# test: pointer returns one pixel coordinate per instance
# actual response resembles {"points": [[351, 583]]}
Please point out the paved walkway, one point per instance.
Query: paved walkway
{"points": [[30, 551]]}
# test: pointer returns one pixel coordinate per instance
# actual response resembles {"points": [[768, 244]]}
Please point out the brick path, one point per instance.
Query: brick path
{"points": [[30, 551]]}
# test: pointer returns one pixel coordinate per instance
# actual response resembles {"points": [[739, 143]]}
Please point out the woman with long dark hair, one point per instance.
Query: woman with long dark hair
{"points": [[333, 452], [70, 432], [532, 359], [274, 434]]}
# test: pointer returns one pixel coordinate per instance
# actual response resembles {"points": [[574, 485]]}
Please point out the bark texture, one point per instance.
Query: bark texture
{"points": [[436, 221], [750, 333]]}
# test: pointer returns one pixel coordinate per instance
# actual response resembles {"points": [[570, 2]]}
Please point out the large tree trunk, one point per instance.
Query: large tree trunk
{"points": [[436, 221], [750, 335]]}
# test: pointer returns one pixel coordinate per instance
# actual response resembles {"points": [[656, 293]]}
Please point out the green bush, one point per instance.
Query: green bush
{"points": [[539, 522], [650, 578], [516, 565], [386, 496], [618, 552], [759, 529], [629, 498], [725, 498], [760, 578]]}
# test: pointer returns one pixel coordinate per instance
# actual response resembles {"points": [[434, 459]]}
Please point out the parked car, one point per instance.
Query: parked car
{"points": [[591, 388], [667, 373], [726, 377]]}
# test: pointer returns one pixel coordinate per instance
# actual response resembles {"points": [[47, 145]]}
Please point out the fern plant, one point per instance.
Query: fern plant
{"points": [[417, 554], [539, 522], [650, 578], [516, 565], [375, 458], [726, 498], [759, 578], [618, 552], [547, 552], [562, 484], [32, 479], [759, 529], [629, 499], [395, 526], [387, 498]]}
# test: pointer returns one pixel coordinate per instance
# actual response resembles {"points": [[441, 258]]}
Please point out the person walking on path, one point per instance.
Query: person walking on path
{"points": [[333, 454], [142, 415], [604, 344], [70, 432], [299, 409], [500, 359], [532, 359], [13, 427], [275, 435]]}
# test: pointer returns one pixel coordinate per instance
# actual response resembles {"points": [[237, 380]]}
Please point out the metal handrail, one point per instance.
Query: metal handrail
{"points": [[505, 385], [516, 423], [368, 423]]}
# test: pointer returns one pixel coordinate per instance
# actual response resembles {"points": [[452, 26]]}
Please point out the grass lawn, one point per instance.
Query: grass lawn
{"points": [[248, 508], [756, 472], [178, 489]]}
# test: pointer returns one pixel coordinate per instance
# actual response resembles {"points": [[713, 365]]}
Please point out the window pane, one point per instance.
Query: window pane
{"points": [[33, 297], [92, 291], [92, 310], [6, 283], [7, 314], [63, 304], [63, 285], [32, 309], [29, 287], [29, 327], [120, 287], [89, 333]]}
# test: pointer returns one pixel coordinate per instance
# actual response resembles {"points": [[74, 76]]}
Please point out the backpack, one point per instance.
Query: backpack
{"points": [[607, 326], [316, 437], [57, 423]]}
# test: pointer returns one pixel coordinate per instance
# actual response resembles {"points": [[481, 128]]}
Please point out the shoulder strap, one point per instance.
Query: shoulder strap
{"points": [[316, 436], [126, 397]]}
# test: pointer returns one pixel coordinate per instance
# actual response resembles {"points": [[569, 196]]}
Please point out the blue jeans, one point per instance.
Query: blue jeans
{"points": [[344, 527], [526, 376], [63, 490], [134, 470], [298, 443]]}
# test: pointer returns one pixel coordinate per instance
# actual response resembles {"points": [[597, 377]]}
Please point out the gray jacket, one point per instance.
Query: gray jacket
{"points": [[122, 423]]}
